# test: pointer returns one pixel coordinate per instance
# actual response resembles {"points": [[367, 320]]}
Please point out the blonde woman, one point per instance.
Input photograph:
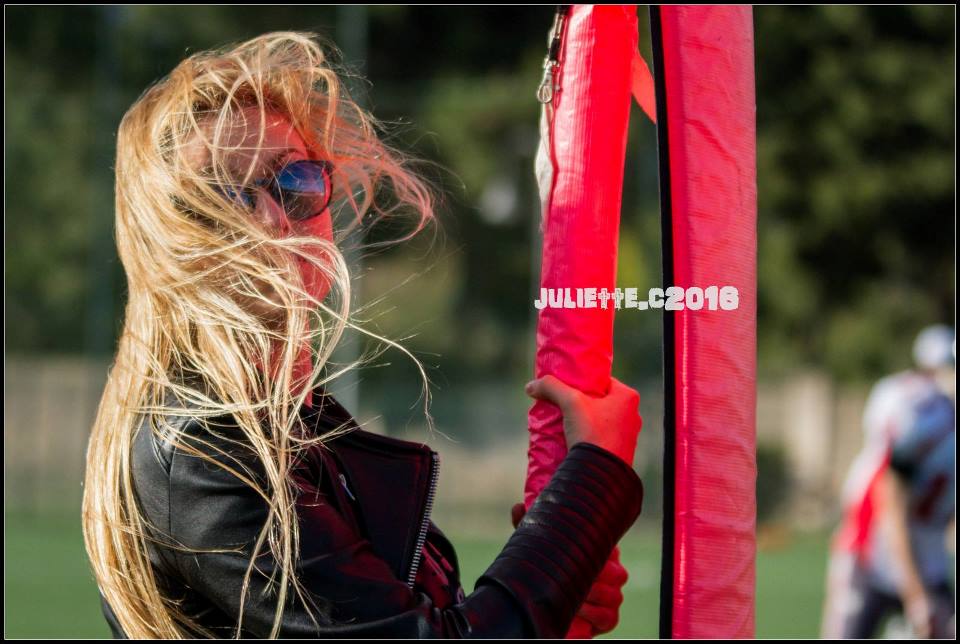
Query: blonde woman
{"points": [[226, 494]]}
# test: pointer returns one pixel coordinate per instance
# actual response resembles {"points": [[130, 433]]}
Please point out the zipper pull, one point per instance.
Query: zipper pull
{"points": [[343, 480], [548, 86], [545, 91]]}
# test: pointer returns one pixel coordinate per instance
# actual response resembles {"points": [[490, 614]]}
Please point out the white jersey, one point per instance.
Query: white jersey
{"points": [[909, 426]]}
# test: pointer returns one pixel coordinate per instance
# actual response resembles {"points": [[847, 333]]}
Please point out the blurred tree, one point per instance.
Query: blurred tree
{"points": [[856, 178]]}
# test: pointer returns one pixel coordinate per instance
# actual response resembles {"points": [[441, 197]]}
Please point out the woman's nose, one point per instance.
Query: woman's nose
{"points": [[274, 215]]}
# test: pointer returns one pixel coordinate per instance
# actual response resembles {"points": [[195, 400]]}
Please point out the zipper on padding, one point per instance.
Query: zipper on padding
{"points": [[425, 522], [548, 94]]}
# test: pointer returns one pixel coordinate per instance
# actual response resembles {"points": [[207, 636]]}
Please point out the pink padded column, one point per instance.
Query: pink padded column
{"points": [[586, 147], [705, 91]]}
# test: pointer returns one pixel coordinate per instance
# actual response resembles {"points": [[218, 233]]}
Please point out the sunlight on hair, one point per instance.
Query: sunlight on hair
{"points": [[218, 311]]}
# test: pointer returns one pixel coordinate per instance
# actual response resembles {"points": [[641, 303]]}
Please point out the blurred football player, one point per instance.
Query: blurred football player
{"points": [[890, 554]]}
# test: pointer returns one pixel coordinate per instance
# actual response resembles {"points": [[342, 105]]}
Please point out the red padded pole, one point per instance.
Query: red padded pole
{"points": [[703, 59], [580, 167]]}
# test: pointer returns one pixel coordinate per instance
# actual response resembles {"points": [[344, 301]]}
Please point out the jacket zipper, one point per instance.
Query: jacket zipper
{"points": [[425, 523]]}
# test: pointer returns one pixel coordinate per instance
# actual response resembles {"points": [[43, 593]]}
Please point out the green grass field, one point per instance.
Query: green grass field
{"points": [[50, 591]]}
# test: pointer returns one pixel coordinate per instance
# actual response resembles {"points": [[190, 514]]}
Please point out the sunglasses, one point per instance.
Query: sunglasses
{"points": [[302, 188]]}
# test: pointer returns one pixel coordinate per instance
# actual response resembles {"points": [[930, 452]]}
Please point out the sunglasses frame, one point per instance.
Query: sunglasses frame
{"points": [[276, 192]]}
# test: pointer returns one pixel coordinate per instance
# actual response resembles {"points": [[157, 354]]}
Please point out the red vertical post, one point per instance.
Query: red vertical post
{"points": [[704, 70], [580, 167], [584, 151]]}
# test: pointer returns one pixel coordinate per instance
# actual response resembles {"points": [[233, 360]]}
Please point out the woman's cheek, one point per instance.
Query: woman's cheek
{"points": [[315, 281], [314, 278], [319, 226]]}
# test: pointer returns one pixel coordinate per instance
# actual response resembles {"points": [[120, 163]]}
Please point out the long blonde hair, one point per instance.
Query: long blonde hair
{"points": [[198, 269]]}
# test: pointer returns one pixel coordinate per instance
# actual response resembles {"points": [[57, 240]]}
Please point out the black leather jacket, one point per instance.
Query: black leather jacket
{"points": [[373, 562]]}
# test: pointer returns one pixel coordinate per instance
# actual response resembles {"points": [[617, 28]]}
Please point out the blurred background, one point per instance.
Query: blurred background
{"points": [[856, 114]]}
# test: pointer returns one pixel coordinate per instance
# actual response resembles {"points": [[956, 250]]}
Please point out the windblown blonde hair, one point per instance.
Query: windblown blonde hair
{"points": [[201, 272]]}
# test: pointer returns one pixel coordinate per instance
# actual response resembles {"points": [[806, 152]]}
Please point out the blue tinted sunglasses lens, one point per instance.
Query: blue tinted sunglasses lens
{"points": [[303, 188]]}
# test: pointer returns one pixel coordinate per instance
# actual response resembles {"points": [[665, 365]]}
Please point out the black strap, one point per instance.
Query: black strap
{"points": [[669, 394]]}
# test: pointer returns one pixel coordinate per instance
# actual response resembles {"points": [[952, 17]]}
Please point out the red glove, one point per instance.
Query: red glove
{"points": [[600, 611]]}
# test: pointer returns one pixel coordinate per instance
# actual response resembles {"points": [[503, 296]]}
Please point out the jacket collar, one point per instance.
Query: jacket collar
{"points": [[392, 480]]}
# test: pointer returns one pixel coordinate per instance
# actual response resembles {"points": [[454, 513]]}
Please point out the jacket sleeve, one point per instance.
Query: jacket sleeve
{"points": [[532, 589], [565, 538]]}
